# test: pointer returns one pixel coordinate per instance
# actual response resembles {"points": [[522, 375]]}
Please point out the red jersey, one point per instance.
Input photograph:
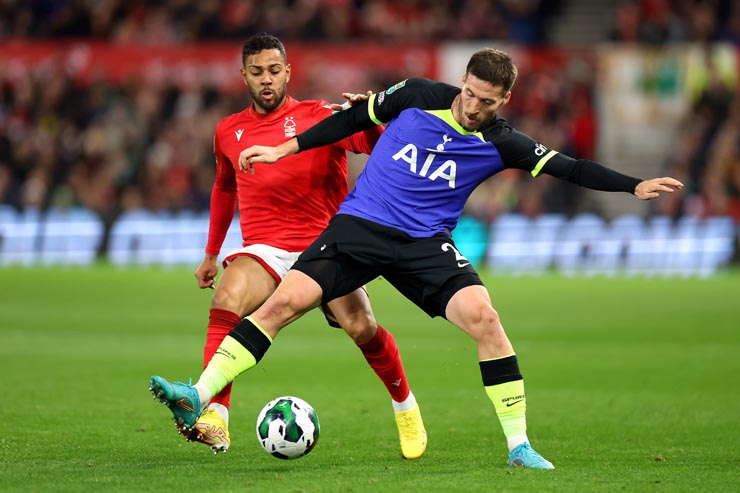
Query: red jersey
{"points": [[286, 204]]}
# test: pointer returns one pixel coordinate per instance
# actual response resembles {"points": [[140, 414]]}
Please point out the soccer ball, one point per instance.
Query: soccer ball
{"points": [[287, 427]]}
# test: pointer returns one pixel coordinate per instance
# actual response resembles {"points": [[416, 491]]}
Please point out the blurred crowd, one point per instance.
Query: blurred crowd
{"points": [[706, 155], [178, 21], [139, 144], [107, 147], [114, 147], [521, 21], [672, 21]]}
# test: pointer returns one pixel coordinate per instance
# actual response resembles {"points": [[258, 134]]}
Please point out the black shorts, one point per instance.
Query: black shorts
{"points": [[353, 251]]}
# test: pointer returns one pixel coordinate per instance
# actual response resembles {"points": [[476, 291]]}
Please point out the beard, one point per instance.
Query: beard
{"points": [[278, 96]]}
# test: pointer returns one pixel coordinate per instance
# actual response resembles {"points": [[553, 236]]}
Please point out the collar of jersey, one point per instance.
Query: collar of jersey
{"points": [[446, 116], [273, 115]]}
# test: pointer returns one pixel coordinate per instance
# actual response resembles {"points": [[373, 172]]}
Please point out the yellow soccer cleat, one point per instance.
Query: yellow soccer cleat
{"points": [[210, 429], [412, 433]]}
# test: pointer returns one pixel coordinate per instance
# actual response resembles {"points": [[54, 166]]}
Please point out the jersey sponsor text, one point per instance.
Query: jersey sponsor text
{"points": [[445, 171]]}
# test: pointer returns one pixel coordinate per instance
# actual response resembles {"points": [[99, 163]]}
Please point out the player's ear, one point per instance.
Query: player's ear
{"points": [[243, 71], [507, 97], [287, 72], [464, 78]]}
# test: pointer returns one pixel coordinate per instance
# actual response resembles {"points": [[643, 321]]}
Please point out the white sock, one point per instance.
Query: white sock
{"points": [[514, 442], [203, 394], [221, 410], [406, 405]]}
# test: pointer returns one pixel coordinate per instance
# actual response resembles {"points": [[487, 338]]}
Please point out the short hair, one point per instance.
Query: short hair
{"points": [[494, 66], [261, 42]]}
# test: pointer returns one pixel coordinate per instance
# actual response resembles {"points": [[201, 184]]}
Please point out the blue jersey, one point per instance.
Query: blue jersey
{"points": [[425, 165], [422, 172]]}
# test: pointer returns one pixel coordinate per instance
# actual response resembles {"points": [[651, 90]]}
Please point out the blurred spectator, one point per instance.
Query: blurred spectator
{"points": [[627, 23], [730, 30], [721, 183], [714, 164], [668, 21], [479, 18], [707, 154]]}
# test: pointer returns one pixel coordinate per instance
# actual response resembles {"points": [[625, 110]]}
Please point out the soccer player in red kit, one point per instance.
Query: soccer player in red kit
{"points": [[282, 210]]}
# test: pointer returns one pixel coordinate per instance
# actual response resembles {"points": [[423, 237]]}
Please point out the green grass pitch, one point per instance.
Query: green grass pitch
{"points": [[632, 385]]}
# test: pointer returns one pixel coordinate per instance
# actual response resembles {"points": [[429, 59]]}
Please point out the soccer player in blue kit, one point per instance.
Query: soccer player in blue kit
{"points": [[440, 143]]}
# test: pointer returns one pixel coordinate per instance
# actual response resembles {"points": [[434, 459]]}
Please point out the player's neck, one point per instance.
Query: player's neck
{"points": [[454, 108]]}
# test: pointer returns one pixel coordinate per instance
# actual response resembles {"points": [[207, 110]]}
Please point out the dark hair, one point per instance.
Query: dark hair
{"points": [[261, 42], [494, 66]]}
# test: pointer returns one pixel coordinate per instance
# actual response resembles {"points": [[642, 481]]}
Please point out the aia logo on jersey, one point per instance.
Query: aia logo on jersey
{"points": [[446, 171], [539, 149], [289, 126]]}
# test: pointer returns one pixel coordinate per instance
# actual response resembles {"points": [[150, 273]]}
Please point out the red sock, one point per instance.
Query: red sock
{"points": [[220, 323], [382, 354]]}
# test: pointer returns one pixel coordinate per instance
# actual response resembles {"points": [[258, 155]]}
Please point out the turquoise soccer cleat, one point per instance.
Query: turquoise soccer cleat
{"points": [[525, 456], [182, 399]]}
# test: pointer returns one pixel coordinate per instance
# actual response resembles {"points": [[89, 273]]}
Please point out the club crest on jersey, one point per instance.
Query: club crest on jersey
{"points": [[445, 139], [445, 171], [289, 126], [239, 134]]}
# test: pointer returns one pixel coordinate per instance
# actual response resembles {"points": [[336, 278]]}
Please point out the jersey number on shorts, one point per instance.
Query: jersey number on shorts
{"points": [[462, 261]]}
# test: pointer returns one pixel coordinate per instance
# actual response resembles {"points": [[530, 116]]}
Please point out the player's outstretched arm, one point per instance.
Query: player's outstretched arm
{"points": [[264, 154], [650, 189], [338, 126]]}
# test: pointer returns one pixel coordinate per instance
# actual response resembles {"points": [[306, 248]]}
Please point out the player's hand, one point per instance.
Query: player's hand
{"points": [[267, 155], [257, 154], [352, 99], [650, 189], [206, 272]]}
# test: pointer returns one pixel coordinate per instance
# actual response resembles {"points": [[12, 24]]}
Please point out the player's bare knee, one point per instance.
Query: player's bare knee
{"points": [[224, 300], [360, 329], [484, 323], [484, 315]]}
